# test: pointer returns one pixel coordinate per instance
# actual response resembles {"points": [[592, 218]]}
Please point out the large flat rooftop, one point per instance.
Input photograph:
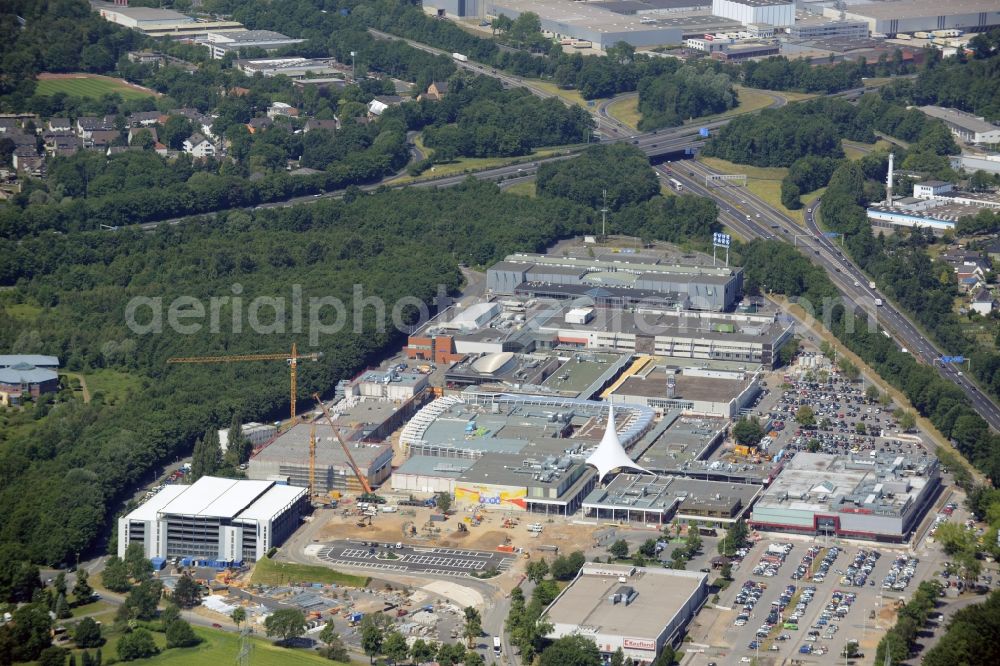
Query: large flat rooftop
{"points": [[702, 389], [885, 484], [602, 19], [642, 492], [293, 446], [678, 439], [903, 9], [660, 594]]}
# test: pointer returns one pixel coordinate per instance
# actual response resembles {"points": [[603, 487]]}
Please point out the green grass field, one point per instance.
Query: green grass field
{"points": [[114, 385], [626, 110], [269, 572], [522, 189], [219, 647], [22, 311], [468, 164], [92, 86], [765, 182]]}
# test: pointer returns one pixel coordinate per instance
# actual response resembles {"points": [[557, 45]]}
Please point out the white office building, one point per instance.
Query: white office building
{"points": [[214, 519]]}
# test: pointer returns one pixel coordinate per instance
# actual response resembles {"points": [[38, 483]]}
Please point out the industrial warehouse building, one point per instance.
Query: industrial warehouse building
{"points": [[214, 519], [967, 127], [636, 609], [713, 288], [779, 13], [880, 497], [907, 16]]}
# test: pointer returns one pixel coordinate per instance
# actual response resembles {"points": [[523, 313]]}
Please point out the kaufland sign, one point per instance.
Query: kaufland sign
{"points": [[639, 644]]}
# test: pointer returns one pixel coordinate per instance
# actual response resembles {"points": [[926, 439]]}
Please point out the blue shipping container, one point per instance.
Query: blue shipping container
{"points": [[158, 563], [703, 131]]}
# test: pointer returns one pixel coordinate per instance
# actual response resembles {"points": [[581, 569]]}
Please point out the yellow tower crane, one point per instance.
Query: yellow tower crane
{"points": [[292, 359]]}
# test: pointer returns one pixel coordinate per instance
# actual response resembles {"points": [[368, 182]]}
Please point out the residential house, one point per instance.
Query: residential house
{"points": [[257, 124], [281, 109], [316, 123], [992, 249], [982, 302], [101, 139], [147, 57], [160, 149], [27, 160], [9, 125], [436, 90], [21, 139], [134, 132], [86, 125], [201, 122], [144, 118], [60, 125], [198, 146], [62, 145], [378, 106]]}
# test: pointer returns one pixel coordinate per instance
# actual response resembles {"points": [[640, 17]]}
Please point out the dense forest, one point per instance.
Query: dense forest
{"points": [[622, 173], [972, 86], [689, 92], [60, 481]]}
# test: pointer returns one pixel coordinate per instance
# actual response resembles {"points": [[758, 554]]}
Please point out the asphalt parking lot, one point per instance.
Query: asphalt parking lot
{"points": [[846, 421], [860, 619], [410, 559]]}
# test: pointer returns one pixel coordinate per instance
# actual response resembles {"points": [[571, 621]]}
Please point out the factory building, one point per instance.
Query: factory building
{"points": [[222, 42], [818, 27], [967, 127], [287, 457], [779, 13], [214, 519], [27, 375], [908, 16], [603, 24], [155, 22], [990, 163], [881, 497], [713, 288], [635, 609]]}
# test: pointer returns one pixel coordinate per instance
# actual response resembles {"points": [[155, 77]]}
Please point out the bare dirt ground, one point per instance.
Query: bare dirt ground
{"points": [[490, 533]]}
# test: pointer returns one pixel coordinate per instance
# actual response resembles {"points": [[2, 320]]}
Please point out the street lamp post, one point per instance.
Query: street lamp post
{"points": [[353, 75]]}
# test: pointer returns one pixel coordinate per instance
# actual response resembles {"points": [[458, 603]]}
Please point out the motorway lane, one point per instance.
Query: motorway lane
{"points": [[849, 279], [908, 334]]}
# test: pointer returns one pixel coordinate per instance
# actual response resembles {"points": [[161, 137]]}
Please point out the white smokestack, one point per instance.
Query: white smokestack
{"points": [[888, 180]]}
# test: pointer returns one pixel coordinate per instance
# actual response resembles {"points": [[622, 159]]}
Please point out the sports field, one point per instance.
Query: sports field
{"points": [[89, 85]]}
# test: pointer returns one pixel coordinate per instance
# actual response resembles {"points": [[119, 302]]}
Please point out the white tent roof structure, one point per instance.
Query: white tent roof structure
{"points": [[610, 454]]}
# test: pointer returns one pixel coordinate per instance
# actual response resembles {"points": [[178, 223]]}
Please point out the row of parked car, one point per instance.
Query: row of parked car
{"points": [[772, 559], [802, 571], [748, 597], [857, 573], [899, 576]]}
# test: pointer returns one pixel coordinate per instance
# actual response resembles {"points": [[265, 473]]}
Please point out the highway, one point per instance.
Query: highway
{"points": [[752, 217]]}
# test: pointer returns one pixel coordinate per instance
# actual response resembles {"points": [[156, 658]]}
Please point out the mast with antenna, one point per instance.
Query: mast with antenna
{"points": [[604, 214]]}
